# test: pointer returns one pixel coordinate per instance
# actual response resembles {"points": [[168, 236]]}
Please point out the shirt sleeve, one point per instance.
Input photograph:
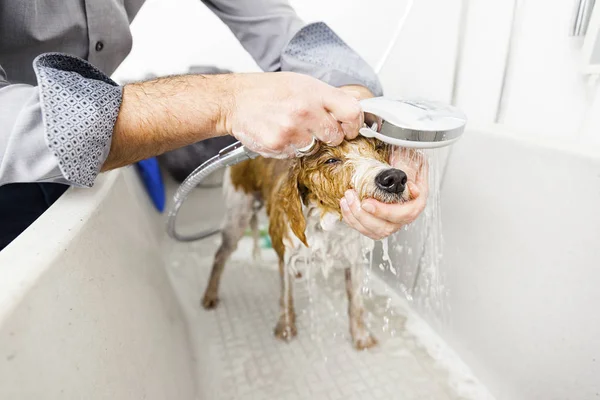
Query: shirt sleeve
{"points": [[279, 40], [317, 51], [60, 130]]}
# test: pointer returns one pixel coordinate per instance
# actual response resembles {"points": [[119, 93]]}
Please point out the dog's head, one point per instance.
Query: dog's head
{"points": [[323, 178]]}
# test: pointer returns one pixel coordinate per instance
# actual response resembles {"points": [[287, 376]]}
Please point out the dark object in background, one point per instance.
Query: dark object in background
{"points": [[181, 162]]}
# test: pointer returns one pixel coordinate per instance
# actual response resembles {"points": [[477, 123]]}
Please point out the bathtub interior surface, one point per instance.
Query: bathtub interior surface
{"points": [[86, 307], [237, 355], [521, 233]]}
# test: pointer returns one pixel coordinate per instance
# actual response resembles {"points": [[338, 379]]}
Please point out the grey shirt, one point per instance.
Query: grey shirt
{"points": [[58, 105]]}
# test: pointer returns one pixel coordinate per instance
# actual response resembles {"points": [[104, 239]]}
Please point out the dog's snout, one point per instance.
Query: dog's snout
{"points": [[391, 180]]}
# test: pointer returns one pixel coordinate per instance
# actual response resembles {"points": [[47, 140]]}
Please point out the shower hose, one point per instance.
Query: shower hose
{"points": [[228, 156]]}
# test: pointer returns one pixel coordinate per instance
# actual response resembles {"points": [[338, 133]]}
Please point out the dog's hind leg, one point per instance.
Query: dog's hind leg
{"points": [[237, 218], [361, 337], [286, 325]]}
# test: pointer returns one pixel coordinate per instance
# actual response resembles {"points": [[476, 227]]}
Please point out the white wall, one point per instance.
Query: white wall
{"points": [[544, 94], [171, 35]]}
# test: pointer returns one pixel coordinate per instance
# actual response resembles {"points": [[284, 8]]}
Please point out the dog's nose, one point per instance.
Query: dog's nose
{"points": [[391, 180]]}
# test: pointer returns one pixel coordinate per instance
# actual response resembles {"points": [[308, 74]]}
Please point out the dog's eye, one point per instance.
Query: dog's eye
{"points": [[332, 161]]}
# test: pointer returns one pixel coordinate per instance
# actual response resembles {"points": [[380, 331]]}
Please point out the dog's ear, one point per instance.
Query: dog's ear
{"points": [[292, 195]]}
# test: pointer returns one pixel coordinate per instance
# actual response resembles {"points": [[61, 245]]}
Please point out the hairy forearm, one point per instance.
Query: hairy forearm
{"points": [[167, 113]]}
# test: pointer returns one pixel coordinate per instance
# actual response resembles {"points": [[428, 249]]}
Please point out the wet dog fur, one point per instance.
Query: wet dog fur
{"points": [[302, 201]]}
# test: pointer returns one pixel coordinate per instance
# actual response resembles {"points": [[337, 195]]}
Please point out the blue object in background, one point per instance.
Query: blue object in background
{"points": [[150, 173]]}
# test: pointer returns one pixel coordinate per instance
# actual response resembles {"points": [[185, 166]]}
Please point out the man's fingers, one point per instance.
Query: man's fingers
{"points": [[352, 92], [346, 110], [353, 222], [380, 227], [331, 131], [400, 214], [414, 190], [364, 222], [351, 129]]}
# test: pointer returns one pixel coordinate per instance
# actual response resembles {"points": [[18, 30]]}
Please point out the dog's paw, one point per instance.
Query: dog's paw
{"points": [[210, 302], [285, 330], [365, 341]]}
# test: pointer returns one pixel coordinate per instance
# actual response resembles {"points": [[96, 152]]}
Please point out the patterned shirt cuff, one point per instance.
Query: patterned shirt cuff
{"points": [[317, 51], [79, 106]]}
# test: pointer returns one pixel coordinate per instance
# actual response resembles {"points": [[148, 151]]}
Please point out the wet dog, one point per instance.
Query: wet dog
{"points": [[302, 201]]}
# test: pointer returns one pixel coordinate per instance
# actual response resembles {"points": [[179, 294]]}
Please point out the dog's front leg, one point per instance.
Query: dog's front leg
{"points": [[237, 218], [286, 325], [361, 337]]}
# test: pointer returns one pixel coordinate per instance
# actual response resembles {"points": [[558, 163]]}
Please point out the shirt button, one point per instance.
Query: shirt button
{"points": [[99, 46]]}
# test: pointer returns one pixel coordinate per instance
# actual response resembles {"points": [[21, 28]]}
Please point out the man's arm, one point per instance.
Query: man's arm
{"points": [[271, 113], [62, 130], [167, 113], [77, 121]]}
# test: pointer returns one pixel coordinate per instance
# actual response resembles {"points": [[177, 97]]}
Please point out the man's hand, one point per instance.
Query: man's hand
{"points": [[274, 114], [379, 220]]}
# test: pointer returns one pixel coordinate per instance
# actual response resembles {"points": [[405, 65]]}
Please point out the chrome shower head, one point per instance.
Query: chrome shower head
{"points": [[413, 123]]}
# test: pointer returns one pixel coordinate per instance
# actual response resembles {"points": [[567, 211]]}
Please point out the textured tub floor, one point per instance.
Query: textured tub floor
{"points": [[238, 357]]}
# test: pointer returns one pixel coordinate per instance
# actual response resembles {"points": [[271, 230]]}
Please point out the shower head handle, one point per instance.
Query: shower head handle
{"points": [[413, 123]]}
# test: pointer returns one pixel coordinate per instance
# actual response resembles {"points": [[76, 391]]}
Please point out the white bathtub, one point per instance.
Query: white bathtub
{"points": [[87, 309]]}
